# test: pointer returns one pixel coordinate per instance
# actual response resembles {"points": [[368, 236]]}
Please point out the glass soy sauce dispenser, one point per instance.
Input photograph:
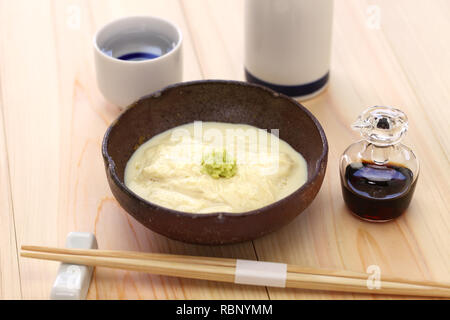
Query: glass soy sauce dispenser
{"points": [[379, 174]]}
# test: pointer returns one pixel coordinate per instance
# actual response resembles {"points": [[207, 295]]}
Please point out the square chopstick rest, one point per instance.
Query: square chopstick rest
{"points": [[72, 281]]}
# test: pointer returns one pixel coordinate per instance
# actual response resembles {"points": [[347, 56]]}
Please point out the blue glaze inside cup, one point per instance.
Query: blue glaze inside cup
{"points": [[138, 56], [137, 46]]}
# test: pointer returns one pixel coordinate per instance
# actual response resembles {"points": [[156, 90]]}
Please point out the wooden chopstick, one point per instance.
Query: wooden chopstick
{"points": [[223, 269], [161, 267], [136, 255], [218, 262]]}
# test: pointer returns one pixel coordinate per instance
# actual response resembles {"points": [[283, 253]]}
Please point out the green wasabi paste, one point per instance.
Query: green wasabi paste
{"points": [[219, 165]]}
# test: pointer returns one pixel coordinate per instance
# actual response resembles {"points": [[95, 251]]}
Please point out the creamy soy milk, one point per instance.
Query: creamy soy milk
{"points": [[206, 167]]}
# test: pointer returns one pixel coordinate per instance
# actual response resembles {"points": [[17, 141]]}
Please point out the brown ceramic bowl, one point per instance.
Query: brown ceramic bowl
{"points": [[222, 101]]}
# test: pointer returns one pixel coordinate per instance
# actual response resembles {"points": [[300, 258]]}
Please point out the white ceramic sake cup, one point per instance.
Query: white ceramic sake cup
{"points": [[124, 81]]}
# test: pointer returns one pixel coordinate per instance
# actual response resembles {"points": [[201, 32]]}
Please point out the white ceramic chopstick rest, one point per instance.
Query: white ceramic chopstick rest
{"points": [[72, 281]]}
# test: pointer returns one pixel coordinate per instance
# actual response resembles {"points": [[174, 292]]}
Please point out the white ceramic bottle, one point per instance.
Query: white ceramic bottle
{"points": [[288, 44]]}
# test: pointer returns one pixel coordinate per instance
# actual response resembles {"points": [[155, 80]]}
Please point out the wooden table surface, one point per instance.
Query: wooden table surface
{"points": [[53, 118]]}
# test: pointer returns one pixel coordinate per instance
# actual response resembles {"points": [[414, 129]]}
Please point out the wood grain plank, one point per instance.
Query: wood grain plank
{"points": [[9, 266], [416, 34], [55, 120], [366, 71], [30, 103], [217, 32]]}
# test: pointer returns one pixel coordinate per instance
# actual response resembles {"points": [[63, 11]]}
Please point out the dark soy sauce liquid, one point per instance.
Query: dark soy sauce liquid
{"points": [[377, 192]]}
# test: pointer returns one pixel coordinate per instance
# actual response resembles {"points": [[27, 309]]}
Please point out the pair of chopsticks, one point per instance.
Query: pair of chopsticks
{"points": [[223, 269]]}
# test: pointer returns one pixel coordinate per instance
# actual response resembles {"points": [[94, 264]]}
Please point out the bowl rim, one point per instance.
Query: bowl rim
{"points": [[112, 166]]}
